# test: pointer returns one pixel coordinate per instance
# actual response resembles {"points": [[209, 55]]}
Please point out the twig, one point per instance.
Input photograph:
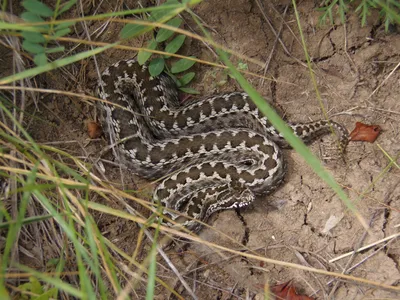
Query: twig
{"points": [[277, 35], [393, 236], [358, 245], [382, 83], [273, 47]]}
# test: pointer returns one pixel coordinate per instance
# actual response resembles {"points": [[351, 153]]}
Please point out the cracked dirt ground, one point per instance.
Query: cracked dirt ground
{"points": [[353, 66], [350, 64]]}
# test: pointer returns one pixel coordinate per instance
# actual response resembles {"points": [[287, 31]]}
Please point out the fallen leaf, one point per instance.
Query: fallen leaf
{"points": [[332, 222], [94, 130], [365, 133], [286, 291]]}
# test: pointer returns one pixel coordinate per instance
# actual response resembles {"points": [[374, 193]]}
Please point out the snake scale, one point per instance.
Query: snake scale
{"points": [[214, 153]]}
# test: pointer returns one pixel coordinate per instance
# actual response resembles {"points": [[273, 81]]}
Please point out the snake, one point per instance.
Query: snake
{"points": [[210, 154]]}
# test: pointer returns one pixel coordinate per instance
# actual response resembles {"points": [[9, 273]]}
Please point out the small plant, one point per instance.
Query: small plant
{"points": [[165, 40], [221, 78], [38, 43], [35, 290], [389, 10]]}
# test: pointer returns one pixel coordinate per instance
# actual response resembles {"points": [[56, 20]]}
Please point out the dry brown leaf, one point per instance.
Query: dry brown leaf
{"points": [[94, 130], [287, 291], [365, 133]]}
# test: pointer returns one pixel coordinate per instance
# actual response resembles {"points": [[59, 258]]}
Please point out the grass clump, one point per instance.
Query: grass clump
{"points": [[389, 10]]}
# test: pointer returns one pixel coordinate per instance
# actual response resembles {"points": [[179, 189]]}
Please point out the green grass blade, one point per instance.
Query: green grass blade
{"points": [[54, 65], [14, 228], [26, 221], [151, 279]]}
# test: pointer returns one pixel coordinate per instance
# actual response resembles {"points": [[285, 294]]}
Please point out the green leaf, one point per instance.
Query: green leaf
{"points": [[25, 287], [56, 49], [38, 8], [242, 66], [64, 25], [60, 33], [160, 15], [34, 37], [185, 79], [55, 281], [32, 47], [52, 262], [36, 287], [175, 44], [164, 34], [189, 91], [131, 30], [144, 56], [50, 294], [156, 66], [32, 18], [66, 7], [40, 59], [175, 79], [156, 15], [182, 65]]}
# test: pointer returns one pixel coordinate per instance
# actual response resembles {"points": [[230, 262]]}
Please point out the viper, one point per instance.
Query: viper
{"points": [[214, 153]]}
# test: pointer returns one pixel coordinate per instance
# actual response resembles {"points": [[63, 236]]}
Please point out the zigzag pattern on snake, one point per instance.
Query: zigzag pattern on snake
{"points": [[216, 153]]}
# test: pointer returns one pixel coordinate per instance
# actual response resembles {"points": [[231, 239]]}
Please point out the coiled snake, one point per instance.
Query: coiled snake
{"points": [[217, 153]]}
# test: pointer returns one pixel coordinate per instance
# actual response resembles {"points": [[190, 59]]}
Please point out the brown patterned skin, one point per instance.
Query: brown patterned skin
{"points": [[216, 153]]}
